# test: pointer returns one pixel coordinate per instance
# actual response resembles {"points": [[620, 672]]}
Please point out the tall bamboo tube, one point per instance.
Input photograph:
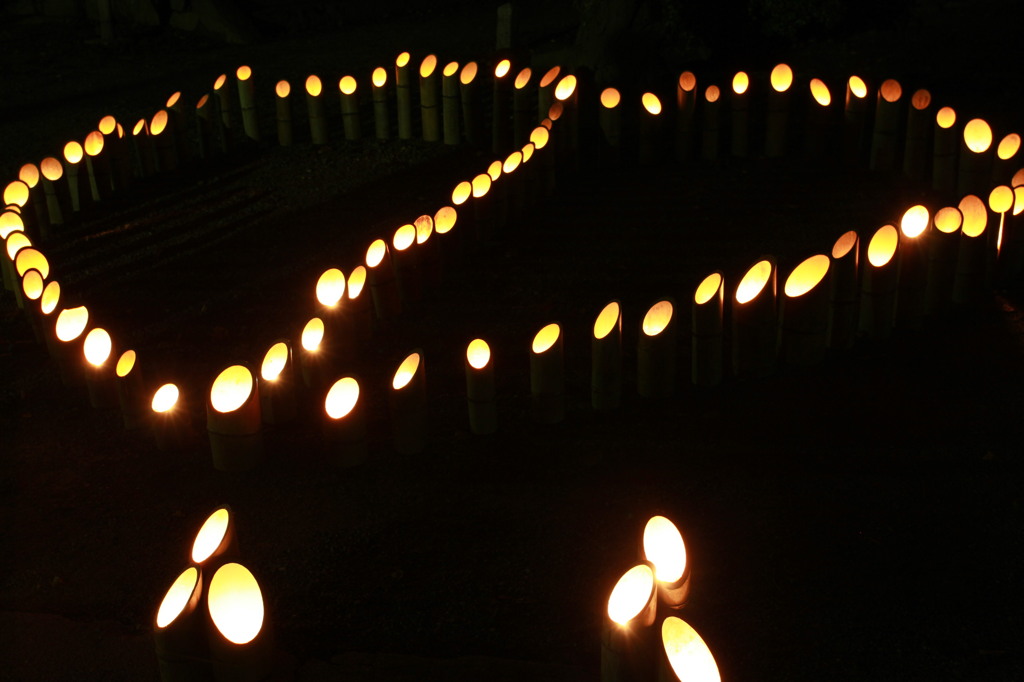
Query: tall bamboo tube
{"points": [[403, 96], [278, 384], [247, 103], [450, 102], [879, 282], [36, 220], [944, 151], [471, 116], [803, 333], [969, 281], [522, 106], [684, 655], [164, 146], [283, 109], [175, 107], [915, 153], [818, 127], [315, 110], [1000, 202], [709, 133], [205, 136], [606, 359], [975, 168], [651, 138], [347, 87], [501, 124], [656, 351], [913, 267], [430, 114], [315, 362], [233, 420], [754, 321], [227, 123], [845, 291], [885, 136], [55, 191], [740, 106], [381, 120], [344, 423], [854, 117], [97, 349], [706, 333], [480, 392], [381, 277], [627, 641], [610, 120], [776, 129], [686, 104], [408, 401], [1006, 160], [547, 375], [130, 390], [179, 631], [73, 155], [97, 165], [943, 246]]}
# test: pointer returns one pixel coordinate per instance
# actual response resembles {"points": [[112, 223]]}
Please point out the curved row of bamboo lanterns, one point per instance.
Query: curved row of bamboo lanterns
{"points": [[921, 265]]}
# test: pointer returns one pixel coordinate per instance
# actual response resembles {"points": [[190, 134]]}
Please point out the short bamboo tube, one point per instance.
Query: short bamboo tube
{"points": [[547, 375], [344, 423], [803, 332], [706, 334], [350, 123], [944, 151], [754, 321], [969, 281], [818, 128], [226, 125], [480, 391], [854, 120], [628, 646], [606, 359], [686, 104], [943, 245], [710, 131], [975, 168], [918, 142], [430, 110], [777, 125], [501, 124], [740, 110], [233, 420], [73, 155], [609, 118], [651, 144], [278, 384], [408, 402], [205, 116], [54, 190], [913, 267], [130, 391], [379, 89], [471, 117], [383, 285], [522, 106]]}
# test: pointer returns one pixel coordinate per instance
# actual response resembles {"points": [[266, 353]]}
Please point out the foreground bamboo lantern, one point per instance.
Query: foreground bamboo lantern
{"points": [[359, 306], [344, 423], [403, 96], [1003, 164], [1000, 202], [347, 86], [975, 167], [740, 141], [710, 134], [887, 121], [627, 649], [480, 391], [314, 361], [845, 292], [277, 392], [430, 116], [665, 550], [944, 151], [656, 351], [216, 542], [65, 343], [916, 147], [179, 630], [130, 391], [315, 110], [168, 419], [754, 321], [686, 657], [233, 420], [804, 311], [408, 401], [225, 122], [706, 333], [606, 359], [778, 111], [163, 145], [99, 374], [97, 165], [913, 267], [546, 91], [283, 109], [854, 118], [686, 104], [943, 246], [501, 130], [383, 285], [547, 375], [405, 263], [338, 323], [879, 280], [969, 281], [239, 642], [247, 102]]}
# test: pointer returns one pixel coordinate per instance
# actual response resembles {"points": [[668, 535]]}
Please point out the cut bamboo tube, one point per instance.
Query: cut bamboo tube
{"points": [[522, 106], [381, 277], [430, 114], [498, 195], [17, 196], [16, 241], [879, 282], [754, 321], [943, 245], [740, 106], [546, 91], [55, 191], [471, 116], [315, 362], [627, 645], [913, 267], [247, 103], [501, 123], [606, 359], [166, 150], [651, 139], [686, 104], [885, 136], [408, 402], [712, 113], [706, 333], [776, 129], [403, 96], [238, 634], [656, 351], [1013, 242], [547, 375], [233, 420], [216, 541], [818, 127], [97, 349], [283, 109], [379, 88], [143, 152], [1000, 202], [175, 107], [610, 120], [803, 334], [450, 103], [205, 123], [663, 548], [73, 155], [97, 165], [342, 344], [944, 151], [513, 178], [484, 213], [918, 144], [684, 655], [975, 168], [969, 281], [64, 342], [277, 390], [315, 110], [540, 138], [168, 419], [359, 306], [480, 392], [48, 303], [845, 292], [854, 120], [130, 391], [116, 152], [567, 93], [347, 86], [36, 220], [32, 286], [1005, 162], [226, 126], [344, 423], [179, 630], [406, 265], [428, 259]]}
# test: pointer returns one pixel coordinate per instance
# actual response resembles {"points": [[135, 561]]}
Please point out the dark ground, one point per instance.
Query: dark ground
{"points": [[860, 520]]}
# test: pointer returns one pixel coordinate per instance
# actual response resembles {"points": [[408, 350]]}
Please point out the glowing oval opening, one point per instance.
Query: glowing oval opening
{"points": [[450, 69], [807, 275], [97, 347], [664, 547], [313, 86], [108, 124], [708, 288], [16, 243], [657, 318], [781, 77], [945, 117], [494, 170], [444, 220], [921, 99], [481, 185], [651, 103], [274, 361], [173, 99], [243, 73], [379, 77], [140, 128], [858, 88], [375, 253], [211, 535], [846, 242], [94, 143], [512, 162], [1008, 147], [29, 174], [406, 371], [977, 135], [283, 89], [404, 237], [712, 94], [342, 398], [330, 287], [753, 281], [462, 192], [51, 169], [687, 654], [554, 113], [32, 285], [231, 389], [1000, 199], [607, 320], [948, 219], [882, 246], [347, 85], [159, 122], [424, 226], [51, 296], [975, 216], [402, 59], [687, 81], [221, 80], [740, 82], [820, 93], [16, 193], [539, 137], [73, 152], [165, 398], [356, 282], [428, 65], [178, 597], [236, 603], [528, 149], [610, 98], [478, 354], [502, 68], [468, 73], [631, 594], [312, 334], [522, 78], [1018, 199], [891, 90], [1018, 178], [565, 88], [10, 222], [71, 322], [549, 77], [125, 364], [30, 258], [202, 102], [546, 338], [914, 221]]}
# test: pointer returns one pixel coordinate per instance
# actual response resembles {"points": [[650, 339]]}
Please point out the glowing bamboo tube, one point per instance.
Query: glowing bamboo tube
{"points": [[73, 155], [606, 359], [143, 152], [117, 152], [206, 140], [283, 109], [706, 334], [943, 245], [740, 106], [179, 630], [130, 390], [314, 359], [238, 636], [567, 93], [247, 102], [450, 102], [430, 116], [514, 181], [428, 260], [664, 549], [480, 393], [341, 342], [804, 312], [379, 91], [36, 220], [315, 109], [685, 658], [610, 120], [754, 321], [522, 106], [546, 91], [65, 343], [445, 243], [915, 151], [969, 281], [55, 190], [216, 542], [778, 111], [651, 142], [879, 281], [32, 285], [48, 304], [913, 267], [656, 351], [818, 127], [471, 116], [483, 207], [408, 403], [277, 384], [854, 115], [403, 96], [97, 165], [344, 423], [224, 123], [686, 104], [233, 420], [1005, 160], [176, 111], [845, 294], [540, 137], [360, 306], [383, 286], [547, 375], [627, 648], [501, 130], [99, 369], [11, 224], [1000, 201], [168, 419], [1012, 268], [712, 113], [406, 265], [884, 137], [347, 86], [975, 166], [164, 144], [17, 242], [944, 151]]}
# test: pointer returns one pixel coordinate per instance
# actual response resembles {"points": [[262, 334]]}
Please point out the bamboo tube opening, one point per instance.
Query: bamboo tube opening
{"points": [[10, 222], [97, 347], [51, 297], [376, 252], [462, 192], [478, 354], [342, 398], [404, 237], [1000, 199], [807, 275], [32, 285], [347, 85], [502, 68], [522, 79], [236, 603], [945, 117], [607, 320], [610, 98], [312, 335], [94, 143], [330, 287], [125, 364], [687, 81], [1008, 147], [975, 216], [858, 88], [202, 102], [914, 221], [664, 548], [481, 185], [379, 77], [356, 282], [528, 150], [468, 73], [424, 226], [891, 90], [847, 241], [539, 137], [211, 535], [176, 96], [546, 338], [657, 318], [494, 170], [283, 89], [948, 220], [740, 82], [52, 169], [781, 77], [406, 371], [313, 86], [565, 88], [753, 281], [159, 122], [977, 135], [882, 246], [1018, 178], [183, 590], [274, 361], [444, 220], [921, 100], [512, 162], [428, 65], [71, 322], [550, 76], [165, 398], [631, 595], [1018, 199], [16, 242], [73, 152], [554, 113], [108, 124], [231, 389], [712, 94], [402, 60], [688, 655], [708, 288], [651, 103], [820, 93], [243, 73], [220, 82], [141, 128], [30, 258], [16, 193], [450, 69]]}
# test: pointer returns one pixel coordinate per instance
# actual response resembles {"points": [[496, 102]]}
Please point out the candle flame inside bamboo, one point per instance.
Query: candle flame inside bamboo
{"points": [[846, 242], [891, 90], [502, 68], [688, 655], [312, 335], [546, 338], [882, 246], [97, 347], [945, 117], [236, 603], [709, 287], [781, 77], [657, 318], [753, 281], [948, 220], [330, 287], [607, 320], [651, 103], [478, 354], [977, 135], [631, 594], [406, 371], [807, 275], [740, 82], [165, 398], [177, 597], [210, 536], [1008, 147], [125, 364], [820, 93], [341, 398], [915, 221], [274, 361], [610, 98]]}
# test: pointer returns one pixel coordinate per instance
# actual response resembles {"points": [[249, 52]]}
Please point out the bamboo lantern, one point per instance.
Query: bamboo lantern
{"points": [[403, 96], [627, 651], [915, 153], [426, 260], [521, 107], [567, 92], [471, 116], [47, 305], [686, 657], [854, 116], [179, 631], [36, 220], [32, 286], [97, 165], [277, 377], [22, 257], [844, 297], [130, 397], [480, 392], [99, 375], [944, 151], [879, 282], [501, 133], [530, 180], [168, 419], [1003, 165], [656, 351], [547, 375], [216, 543], [804, 311], [913, 267], [239, 642], [247, 103], [712, 114], [514, 185], [885, 135], [206, 120], [540, 138], [818, 126], [664, 549], [706, 334], [943, 245], [405, 262], [233, 420], [226, 122], [283, 109], [55, 189], [444, 223], [315, 109], [11, 225], [740, 141], [754, 321], [458, 244], [610, 120], [350, 108], [650, 129], [344, 423], [776, 131], [73, 155], [116, 152], [1000, 201], [1013, 261], [606, 359], [176, 111], [450, 102], [546, 91], [430, 117], [330, 288], [972, 255], [314, 361], [686, 104], [65, 343], [379, 90], [975, 167], [359, 306], [383, 285], [498, 195], [164, 144], [408, 402], [143, 152], [484, 212]]}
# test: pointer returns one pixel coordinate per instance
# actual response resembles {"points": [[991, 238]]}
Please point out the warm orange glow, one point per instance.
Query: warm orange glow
{"points": [[708, 288], [807, 275], [402, 59], [478, 354], [404, 237], [10, 222], [977, 135], [882, 246], [539, 137], [468, 73], [891, 90], [406, 371], [631, 594], [210, 536], [610, 98], [30, 258], [462, 192], [607, 320], [450, 69], [975, 215], [565, 88], [173, 99], [948, 219], [914, 221], [546, 338], [51, 169], [159, 122], [341, 398], [657, 318], [274, 362], [1008, 147], [494, 170], [554, 113], [481, 185], [512, 162], [712, 94], [312, 334], [820, 93], [651, 103], [347, 85], [424, 228], [221, 80], [330, 287], [379, 78], [753, 281], [921, 99], [16, 193], [125, 364], [243, 73], [781, 77], [236, 603], [688, 655], [444, 220], [740, 82], [522, 78], [846, 242], [51, 297], [313, 86], [1018, 199], [165, 398], [550, 76], [502, 68], [428, 65], [283, 89], [202, 102], [376, 252], [97, 347], [356, 282], [1018, 178], [94, 143], [528, 150], [32, 284], [182, 591], [945, 117], [73, 152], [664, 547], [1000, 199], [16, 242], [858, 88], [140, 128], [108, 124], [231, 389]]}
